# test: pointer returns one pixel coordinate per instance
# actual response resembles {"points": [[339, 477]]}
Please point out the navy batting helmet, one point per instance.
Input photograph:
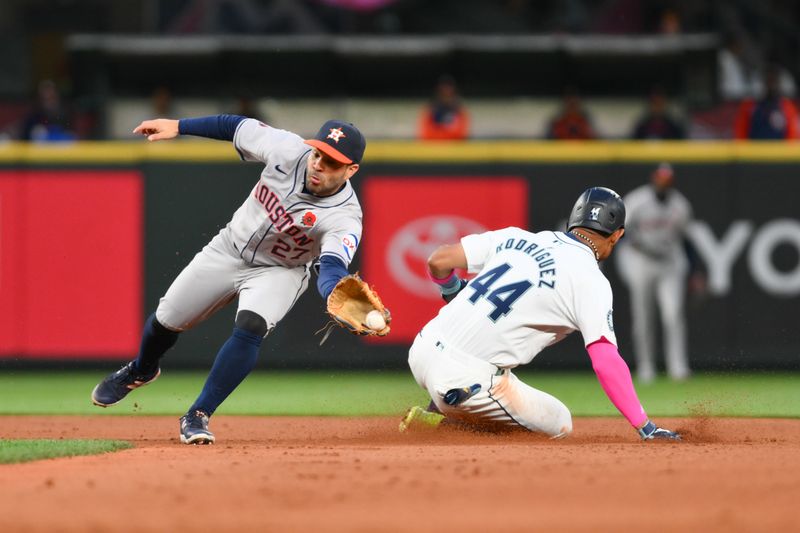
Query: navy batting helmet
{"points": [[598, 208]]}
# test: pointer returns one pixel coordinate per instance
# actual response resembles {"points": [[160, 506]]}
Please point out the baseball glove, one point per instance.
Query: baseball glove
{"points": [[350, 302]]}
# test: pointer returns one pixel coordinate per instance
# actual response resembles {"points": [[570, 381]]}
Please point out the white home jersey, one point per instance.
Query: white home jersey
{"points": [[531, 291], [656, 227], [279, 223]]}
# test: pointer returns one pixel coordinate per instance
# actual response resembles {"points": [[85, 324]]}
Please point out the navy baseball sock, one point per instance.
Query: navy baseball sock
{"points": [[235, 360], [156, 340]]}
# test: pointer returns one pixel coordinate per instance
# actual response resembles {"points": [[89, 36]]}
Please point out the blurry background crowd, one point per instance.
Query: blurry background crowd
{"points": [[444, 69]]}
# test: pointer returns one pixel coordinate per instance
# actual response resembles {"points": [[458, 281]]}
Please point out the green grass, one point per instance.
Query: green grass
{"points": [[20, 451], [752, 395], [341, 393]]}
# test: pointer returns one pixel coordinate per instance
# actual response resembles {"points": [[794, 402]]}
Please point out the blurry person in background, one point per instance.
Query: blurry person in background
{"points": [[737, 68], [161, 102], [772, 117], [572, 122], [657, 124], [445, 117], [670, 22], [49, 119], [654, 263], [247, 106]]}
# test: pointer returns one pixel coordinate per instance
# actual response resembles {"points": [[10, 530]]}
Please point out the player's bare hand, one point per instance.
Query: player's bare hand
{"points": [[158, 129]]}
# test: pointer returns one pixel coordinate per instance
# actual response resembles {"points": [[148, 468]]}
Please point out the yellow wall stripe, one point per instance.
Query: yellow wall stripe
{"points": [[132, 152]]}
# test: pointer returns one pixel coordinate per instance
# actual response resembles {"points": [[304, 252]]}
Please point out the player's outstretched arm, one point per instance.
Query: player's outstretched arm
{"points": [[331, 270], [615, 378], [221, 127], [158, 129]]}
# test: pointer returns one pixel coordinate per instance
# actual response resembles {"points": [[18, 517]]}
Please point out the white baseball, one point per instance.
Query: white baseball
{"points": [[375, 320]]}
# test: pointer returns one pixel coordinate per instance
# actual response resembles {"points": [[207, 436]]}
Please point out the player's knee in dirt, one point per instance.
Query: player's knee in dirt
{"points": [[252, 323]]}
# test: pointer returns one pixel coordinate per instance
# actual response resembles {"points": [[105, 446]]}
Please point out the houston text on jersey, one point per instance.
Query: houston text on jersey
{"points": [[283, 223]]}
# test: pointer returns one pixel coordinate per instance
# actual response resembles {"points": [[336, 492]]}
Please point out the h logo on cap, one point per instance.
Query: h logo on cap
{"points": [[594, 214], [340, 141], [336, 134]]}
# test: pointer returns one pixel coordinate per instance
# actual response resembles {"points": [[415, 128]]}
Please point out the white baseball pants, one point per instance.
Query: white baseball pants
{"points": [[503, 400], [656, 284], [217, 275]]}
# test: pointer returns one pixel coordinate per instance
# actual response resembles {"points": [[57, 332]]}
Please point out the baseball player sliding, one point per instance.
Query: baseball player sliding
{"points": [[531, 290], [302, 208]]}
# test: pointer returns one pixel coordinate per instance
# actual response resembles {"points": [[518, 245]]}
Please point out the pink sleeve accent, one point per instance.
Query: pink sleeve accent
{"points": [[442, 281], [615, 378]]}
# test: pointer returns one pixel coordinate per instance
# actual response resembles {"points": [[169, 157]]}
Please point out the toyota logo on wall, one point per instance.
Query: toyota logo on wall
{"points": [[409, 248]]}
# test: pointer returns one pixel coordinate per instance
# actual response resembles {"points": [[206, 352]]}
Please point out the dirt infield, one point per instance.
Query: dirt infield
{"points": [[336, 474]]}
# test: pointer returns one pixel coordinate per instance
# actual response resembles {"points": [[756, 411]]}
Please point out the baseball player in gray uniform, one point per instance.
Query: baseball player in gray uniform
{"points": [[653, 263], [302, 208], [530, 291]]}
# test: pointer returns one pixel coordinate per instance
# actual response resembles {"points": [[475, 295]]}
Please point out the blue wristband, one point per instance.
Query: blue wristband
{"points": [[452, 286]]}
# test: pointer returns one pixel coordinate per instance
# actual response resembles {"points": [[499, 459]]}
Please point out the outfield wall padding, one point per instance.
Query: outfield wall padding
{"points": [[747, 232]]}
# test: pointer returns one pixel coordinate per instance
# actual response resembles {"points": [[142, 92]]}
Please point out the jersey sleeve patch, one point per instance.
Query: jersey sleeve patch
{"points": [[349, 245]]}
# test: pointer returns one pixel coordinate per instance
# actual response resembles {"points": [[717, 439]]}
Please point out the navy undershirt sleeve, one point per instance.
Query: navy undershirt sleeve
{"points": [[331, 270], [221, 127]]}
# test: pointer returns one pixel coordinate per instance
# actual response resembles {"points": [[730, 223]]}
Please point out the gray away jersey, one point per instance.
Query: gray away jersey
{"points": [[279, 224], [655, 227], [531, 291]]}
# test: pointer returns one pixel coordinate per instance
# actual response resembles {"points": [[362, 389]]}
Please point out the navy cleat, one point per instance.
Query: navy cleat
{"points": [[116, 386], [650, 431], [194, 429]]}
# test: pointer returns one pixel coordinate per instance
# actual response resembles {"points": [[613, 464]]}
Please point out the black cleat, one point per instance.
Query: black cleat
{"points": [[194, 429], [116, 386]]}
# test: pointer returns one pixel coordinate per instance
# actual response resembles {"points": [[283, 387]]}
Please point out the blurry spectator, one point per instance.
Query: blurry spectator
{"points": [[786, 83], [654, 262], [161, 101], [737, 69], [572, 123], [657, 122], [247, 107], [670, 23], [445, 117], [773, 117], [50, 119]]}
